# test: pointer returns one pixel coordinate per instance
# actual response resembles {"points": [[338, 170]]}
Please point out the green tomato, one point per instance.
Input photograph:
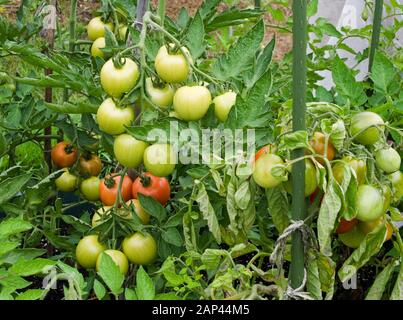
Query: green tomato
{"points": [[112, 119], [192, 103], [99, 215], [96, 47], [162, 97], [358, 165], [369, 203], [223, 104], [116, 81], [352, 238], [67, 182], [96, 28], [128, 150], [310, 179], [366, 127], [262, 170], [140, 249], [387, 198], [88, 250], [122, 32], [118, 257], [371, 226], [397, 182], [172, 67], [90, 188], [159, 160], [388, 160]]}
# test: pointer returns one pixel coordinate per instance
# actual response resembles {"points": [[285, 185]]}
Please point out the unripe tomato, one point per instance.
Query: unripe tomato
{"points": [[160, 159], [67, 182], [96, 47], [318, 145], [160, 96], [358, 165], [192, 103], [99, 215], [118, 257], [140, 249], [388, 160], [311, 183], [397, 182], [152, 186], [364, 127], [122, 32], [172, 67], [112, 119], [108, 189], [369, 203], [371, 226], [134, 204], [262, 170], [88, 250], [64, 154], [118, 80], [270, 148], [96, 28], [89, 165], [353, 238], [128, 150], [90, 188], [223, 104], [346, 225]]}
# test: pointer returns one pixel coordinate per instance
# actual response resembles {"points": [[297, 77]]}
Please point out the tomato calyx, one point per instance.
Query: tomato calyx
{"points": [[145, 180], [119, 61], [110, 182], [69, 148]]}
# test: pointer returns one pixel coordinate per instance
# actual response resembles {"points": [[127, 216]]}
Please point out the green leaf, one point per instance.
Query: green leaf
{"points": [[329, 209], [278, 207], [167, 296], [13, 226], [67, 107], [194, 38], [232, 17], [382, 72], [26, 254], [327, 274], [397, 292], [79, 225], [378, 287], [336, 131], [346, 85], [110, 274], [170, 274], [370, 246], [327, 28], [130, 294], [13, 282], [99, 289], [10, 186], [152, 207], [30, 294], [26, 268], [172, 236], [7, 246], [174, 220], [145, 289], [240, 55], [208, 213], [313, 280], [211, 258], [295, 140], [243, 195], [312, 8]]}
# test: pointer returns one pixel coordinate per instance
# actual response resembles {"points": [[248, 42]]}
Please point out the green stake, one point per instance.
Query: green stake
{"points": [[376, 30]]}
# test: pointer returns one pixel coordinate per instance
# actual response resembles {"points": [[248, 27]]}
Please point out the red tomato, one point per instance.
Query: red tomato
{"points": [[270, 148], [64, 154], [152, 186], [108, 189]]}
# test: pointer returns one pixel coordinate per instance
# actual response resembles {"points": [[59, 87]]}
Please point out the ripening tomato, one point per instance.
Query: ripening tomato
{"points": [[90, 188], [128, 150], [64, 154], [192, 103], [112, 119], [118, 258], [172, 67], [388, 160], [162, 96], [96, 28], [88, 250], [353, 238], [134, 205], [372, 225], [366, 127], [369, 203], [140, 249], [397, 182], [346, 225], [358, 165], [262, 170], [159, 159], [100, 215], [108, 189], [311, 183], [152, 186], [96, 47], [89, 165], [270, 148], [116, 80], [223, 104], [67, 182], [318, 144]]}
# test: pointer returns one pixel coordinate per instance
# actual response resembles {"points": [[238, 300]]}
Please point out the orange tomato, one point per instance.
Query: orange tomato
{"points": [[318, 145], [64, 154], [90, 165], [108, 189]]}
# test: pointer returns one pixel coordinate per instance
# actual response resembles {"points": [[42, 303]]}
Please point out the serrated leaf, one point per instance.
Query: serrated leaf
{"points": [[130, 294], [110, 274], [99, 289], [378, 287], [313, 284], [194, 38], [278, 206], [7, 246], [152, 207], [13, 282], [211, 258], [10, 186], [145, 289], [26, 268], [172, 236], [382, 72], [30, 294], [243, 195]]}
